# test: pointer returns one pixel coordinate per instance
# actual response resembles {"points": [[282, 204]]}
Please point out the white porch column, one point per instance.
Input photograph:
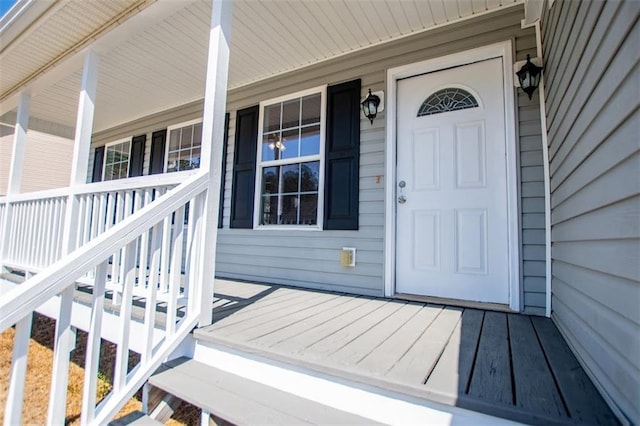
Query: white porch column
{"points": [[17, 376], [64, 335], [16, 167], [215, 102], [19, 143]]}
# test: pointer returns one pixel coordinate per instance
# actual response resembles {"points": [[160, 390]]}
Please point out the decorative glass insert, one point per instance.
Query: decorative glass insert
{"points": [[445, 100]]}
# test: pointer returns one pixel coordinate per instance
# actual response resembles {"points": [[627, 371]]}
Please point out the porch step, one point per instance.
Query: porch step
{"points": [[241, 401], [136, 418]]}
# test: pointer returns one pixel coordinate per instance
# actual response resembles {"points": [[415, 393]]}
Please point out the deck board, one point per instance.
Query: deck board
{"points": [[278, 312], [584, 403], [382, 358], [534, 386], [312, 322], [243, 401], [491, 378], [375, 336], [342, 337], [265, 325], [418, 362], [300, 342], [460, 356], [452, 374]]}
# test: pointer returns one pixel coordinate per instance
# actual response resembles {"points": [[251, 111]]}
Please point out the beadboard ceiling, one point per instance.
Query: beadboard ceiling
{"points": [[153, 52]]}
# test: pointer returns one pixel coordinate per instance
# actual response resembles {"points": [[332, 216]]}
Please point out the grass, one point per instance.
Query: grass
{"points": [[36, 394]]}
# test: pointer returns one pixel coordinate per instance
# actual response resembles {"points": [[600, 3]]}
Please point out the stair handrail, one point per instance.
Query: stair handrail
{"points": [[26, 298], [18, 305]]}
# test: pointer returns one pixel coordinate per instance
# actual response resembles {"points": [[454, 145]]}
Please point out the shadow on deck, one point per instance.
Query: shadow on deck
{"points": [[508, 365]]}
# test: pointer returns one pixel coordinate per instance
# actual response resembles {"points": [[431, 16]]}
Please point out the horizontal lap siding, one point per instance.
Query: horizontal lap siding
{"points": [[591, 71], [531, 191], [308, 258], [311, 258]]}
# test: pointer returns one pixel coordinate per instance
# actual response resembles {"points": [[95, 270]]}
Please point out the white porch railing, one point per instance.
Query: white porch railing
{"points": [[128, 230]]}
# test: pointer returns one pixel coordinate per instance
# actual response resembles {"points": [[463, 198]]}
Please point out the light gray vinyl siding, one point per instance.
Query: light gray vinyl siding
{"points": [[591, 71], [311, 258]]}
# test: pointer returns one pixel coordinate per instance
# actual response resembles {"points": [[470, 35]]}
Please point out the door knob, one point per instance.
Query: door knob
{"points": [[402, 199]]}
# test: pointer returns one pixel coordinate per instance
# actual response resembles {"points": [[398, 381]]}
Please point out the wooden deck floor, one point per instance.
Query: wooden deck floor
{"points": [[509, 365]]}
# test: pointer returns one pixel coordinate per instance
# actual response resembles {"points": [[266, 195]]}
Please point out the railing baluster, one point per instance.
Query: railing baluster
{"points": [[45, 239], [144, 246], [166, 246], [175, 273], [63, 344], [122, 351], [152, 291], [93, 345], [15, 396]]}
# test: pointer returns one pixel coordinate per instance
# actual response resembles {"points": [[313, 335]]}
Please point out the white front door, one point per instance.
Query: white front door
{"points": [[452, 226]]}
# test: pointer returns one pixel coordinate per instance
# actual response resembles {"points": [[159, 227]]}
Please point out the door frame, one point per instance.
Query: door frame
{"points": [[502, 50]]}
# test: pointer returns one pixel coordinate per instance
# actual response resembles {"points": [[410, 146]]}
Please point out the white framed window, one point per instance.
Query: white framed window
{"points": [[184, 142], [290, 161], [116, 160]]}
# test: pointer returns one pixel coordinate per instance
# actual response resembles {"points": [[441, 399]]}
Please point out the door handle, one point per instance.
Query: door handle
{"points": [[402, 199]]}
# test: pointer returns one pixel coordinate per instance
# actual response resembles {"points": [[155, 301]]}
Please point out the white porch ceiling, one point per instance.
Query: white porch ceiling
{"points": [[156, 59]]}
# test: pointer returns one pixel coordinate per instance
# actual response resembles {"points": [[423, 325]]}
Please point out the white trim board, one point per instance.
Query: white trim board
{"points": [[377, 404], [502, 50]]}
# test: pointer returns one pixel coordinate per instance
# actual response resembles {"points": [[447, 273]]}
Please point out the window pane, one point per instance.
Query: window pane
{"points": [[195, 158], [110, 156], [186, 141], [291, 114], [289, 214], [269, 210], [309, 176], [172, 162], [174, 140], [270, 144], [270, 180], [108, 172], [271, 118], [310, 141], [308, 209], [290, 178], [311, 109], [197, 134], [291, 140]]}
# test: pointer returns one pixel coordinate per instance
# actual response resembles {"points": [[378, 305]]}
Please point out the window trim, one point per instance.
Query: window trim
{"points": [[104, 160], [168, 137], [322, 90]]}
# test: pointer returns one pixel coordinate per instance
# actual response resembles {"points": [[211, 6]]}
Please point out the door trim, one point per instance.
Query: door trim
{"points": [[502, 50]]}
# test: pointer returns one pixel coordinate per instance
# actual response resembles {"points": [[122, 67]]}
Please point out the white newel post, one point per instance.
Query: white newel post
{"points": [[17, 376], [64, 335], [215, 101], [17, 166]]}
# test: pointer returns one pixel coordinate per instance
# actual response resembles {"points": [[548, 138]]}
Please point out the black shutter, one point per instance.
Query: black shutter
{"points": [[136, 159], [342, 155], [244, 168], [98, 162], [223, 169], [158, 143]]}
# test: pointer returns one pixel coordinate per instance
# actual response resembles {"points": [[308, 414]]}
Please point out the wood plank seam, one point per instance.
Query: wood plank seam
{"points": [[442, 348], [475, 357], [565, 405]]}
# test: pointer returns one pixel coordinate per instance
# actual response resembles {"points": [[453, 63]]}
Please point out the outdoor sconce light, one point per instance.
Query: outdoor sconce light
{"points": [[370, 106], [529, 77]]}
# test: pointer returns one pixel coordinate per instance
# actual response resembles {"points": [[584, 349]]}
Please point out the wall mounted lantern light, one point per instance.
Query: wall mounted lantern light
{"points": [[529, 77], [370, 106]]}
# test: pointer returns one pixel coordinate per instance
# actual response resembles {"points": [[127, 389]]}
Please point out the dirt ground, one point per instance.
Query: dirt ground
{"points": [[39, 370]]}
